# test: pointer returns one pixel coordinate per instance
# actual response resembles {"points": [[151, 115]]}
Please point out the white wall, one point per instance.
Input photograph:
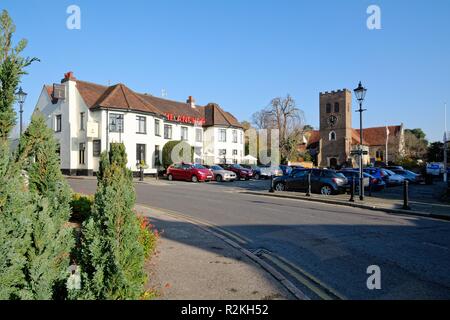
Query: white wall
{"points": [[71, 136]]}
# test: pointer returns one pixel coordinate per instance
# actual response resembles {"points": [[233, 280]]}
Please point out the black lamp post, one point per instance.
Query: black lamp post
{"points": [[21, 97], [360, 93]]}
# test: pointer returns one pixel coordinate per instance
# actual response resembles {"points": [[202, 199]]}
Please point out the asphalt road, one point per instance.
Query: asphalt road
{"points": [[324, 250]]}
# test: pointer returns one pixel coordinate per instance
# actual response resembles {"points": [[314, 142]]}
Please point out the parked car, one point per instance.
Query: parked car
{"points": [[287, 169], [410, 176], [392, 168], [241, 172], [353, 175], [326, 182], [220, 174], [189, 172], [389, 177], [435, 168]]}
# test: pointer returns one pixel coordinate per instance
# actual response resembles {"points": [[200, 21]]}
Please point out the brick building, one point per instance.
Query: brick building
{"points": [[332, 144]]}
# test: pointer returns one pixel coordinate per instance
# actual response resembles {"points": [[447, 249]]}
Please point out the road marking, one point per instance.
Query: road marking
{"points": [[236, 237], [312, 283]]}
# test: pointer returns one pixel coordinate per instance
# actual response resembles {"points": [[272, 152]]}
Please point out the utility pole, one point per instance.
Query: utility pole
{"points": [[446, 138]]}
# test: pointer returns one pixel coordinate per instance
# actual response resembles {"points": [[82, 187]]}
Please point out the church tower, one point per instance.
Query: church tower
{"points": [[335, 127]]}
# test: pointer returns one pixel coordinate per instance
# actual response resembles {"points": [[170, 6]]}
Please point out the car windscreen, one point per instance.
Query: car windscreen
{"points": [[216, 168], [198, 166]]}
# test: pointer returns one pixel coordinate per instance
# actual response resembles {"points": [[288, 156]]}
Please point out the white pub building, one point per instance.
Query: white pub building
{"points": [[88, 117]]}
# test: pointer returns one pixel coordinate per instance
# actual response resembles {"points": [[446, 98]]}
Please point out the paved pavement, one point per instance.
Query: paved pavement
{"points": [[193, 264], [323, 249]]}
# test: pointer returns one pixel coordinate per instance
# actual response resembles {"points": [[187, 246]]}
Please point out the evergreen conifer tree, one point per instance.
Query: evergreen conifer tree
{"points": [[112, 257], [52, 239]]}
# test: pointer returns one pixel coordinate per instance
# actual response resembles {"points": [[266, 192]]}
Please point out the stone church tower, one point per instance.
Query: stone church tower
{"points": [[335, 128]]}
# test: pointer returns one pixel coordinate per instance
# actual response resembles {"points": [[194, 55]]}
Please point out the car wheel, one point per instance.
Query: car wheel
{"points": [[219, 178], [194, 179], [280, 187], [170, 177], [326, 190], [257, 176]]}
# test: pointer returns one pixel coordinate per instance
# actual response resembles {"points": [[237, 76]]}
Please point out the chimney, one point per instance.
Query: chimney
{"points": [[191, 102], [68, 76]]}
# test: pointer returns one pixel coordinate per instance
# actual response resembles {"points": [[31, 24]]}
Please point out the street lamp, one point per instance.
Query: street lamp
{"points": [[360, 94], [21, 97]]}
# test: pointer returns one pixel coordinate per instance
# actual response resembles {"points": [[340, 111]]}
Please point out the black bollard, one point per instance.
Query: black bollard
{"points": [[352, 191], [308, 193], [406, 195], [141, 175], [271, 190]]}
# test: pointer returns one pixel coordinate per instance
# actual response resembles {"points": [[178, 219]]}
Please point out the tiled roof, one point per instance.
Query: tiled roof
{"points": [[215, 115], [371, 136], [120, 96], [377, 136]]}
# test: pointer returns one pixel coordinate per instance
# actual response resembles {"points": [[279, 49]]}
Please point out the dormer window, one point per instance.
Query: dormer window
{"points": [[332, 136]]}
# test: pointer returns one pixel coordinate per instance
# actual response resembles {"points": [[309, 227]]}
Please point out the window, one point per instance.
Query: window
{"points": [[332, 136], [198, 135], [328, 108], [336, 107], [97, 148], [157, 128], [82, 121], [235, 152], [235, 136], [141, 123], [379, 155], [241, 137], [184, 133], [115, 122], [222, 135], [167, 131], [222, 152], [157, 157], [140, 153], [82, 152], [58, 123]]}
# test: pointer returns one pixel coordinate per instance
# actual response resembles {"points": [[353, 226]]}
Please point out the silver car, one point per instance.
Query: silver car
{"points": [[220, 174]]}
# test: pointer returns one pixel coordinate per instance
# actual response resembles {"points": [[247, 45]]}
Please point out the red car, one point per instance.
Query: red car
{"points": [[189, 172], [241, 172]]}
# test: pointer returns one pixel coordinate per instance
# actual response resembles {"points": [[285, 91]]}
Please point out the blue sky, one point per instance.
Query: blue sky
{"points": [[243, 53]]}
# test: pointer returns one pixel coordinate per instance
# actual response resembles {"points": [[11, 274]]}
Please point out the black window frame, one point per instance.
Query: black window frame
{"points": [[118, 127], [96, 148], [168, 136], [82, 153], [157, 128], [139, 121], [139, 153]]}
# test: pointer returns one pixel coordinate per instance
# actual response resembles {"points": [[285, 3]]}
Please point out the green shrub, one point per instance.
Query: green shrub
{"points": [[81, 206], [167, 152]]}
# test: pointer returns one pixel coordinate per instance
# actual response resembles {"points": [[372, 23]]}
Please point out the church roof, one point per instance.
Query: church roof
{"points": [[371, 136], [377, 136]]}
